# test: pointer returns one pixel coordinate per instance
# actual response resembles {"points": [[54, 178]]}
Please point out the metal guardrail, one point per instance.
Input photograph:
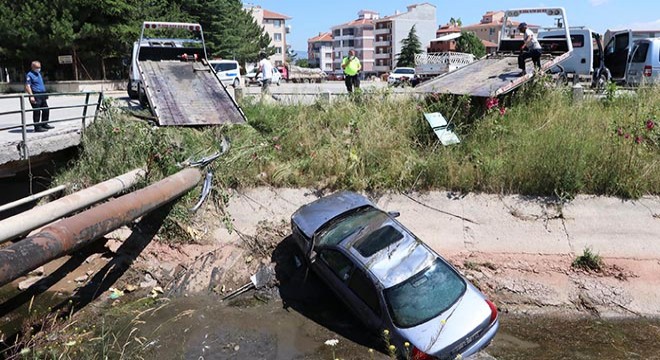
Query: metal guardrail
{"points": [[23, 111]]}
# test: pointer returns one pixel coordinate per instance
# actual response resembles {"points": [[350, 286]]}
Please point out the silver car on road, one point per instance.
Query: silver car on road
{"points": [[391, 280]]}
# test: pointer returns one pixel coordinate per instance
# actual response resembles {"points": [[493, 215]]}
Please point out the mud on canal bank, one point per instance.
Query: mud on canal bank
{"points": [[548, 309]]}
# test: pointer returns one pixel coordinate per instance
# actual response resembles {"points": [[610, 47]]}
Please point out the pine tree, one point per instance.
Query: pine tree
{"points": [[471, 44], [411, 47]]}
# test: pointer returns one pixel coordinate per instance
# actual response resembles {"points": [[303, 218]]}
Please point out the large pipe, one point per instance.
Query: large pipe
{"points": [[31, 198], [29, 220], [61, 238]]}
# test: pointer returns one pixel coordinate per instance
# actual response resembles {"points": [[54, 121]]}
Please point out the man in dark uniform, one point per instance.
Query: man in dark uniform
{"points": [[34, 85]]}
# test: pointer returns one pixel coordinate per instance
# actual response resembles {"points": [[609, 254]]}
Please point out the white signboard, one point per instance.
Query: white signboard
{"points": [[65, 59], [441, 129]]}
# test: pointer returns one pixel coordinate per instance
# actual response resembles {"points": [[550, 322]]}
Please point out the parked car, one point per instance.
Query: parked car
{"points": [[391, 280], [254, 77], [644, 64], [619, 47], [401, 75], [229, 71]]}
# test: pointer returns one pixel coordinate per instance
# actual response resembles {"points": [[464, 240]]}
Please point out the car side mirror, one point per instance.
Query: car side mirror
{"points": [[394, 214]]}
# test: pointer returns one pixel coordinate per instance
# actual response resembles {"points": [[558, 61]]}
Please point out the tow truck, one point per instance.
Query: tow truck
{"points": [[172, 76], [498, 74]]}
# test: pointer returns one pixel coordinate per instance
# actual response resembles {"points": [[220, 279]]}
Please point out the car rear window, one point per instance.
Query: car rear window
{"points": [[377, 240], [640, 54], [346, 226], [425, 295]]}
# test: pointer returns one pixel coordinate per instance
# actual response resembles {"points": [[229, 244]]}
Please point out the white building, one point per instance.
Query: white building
{"points": [[390, 30], [355, 35], [275, 25], [319, 52]]}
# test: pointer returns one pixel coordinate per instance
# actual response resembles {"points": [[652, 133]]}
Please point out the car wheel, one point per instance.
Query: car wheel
{"points": [[236, 83]]}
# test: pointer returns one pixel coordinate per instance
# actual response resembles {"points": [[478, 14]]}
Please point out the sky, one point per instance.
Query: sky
{"points": [[309, 17]]}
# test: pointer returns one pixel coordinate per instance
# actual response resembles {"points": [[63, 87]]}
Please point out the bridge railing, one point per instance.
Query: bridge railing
{"points": [[91, 100]]}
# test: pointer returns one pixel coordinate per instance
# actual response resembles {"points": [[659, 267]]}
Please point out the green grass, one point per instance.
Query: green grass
{"points": [[588, 261], [544, 145]]}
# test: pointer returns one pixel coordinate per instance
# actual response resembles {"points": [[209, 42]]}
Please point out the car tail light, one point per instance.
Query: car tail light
{"points": [[648, 71], [420, 355], [493, 311]]}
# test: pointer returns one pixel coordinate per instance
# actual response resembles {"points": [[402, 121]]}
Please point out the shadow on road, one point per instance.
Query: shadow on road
{"points": [[302, 291]]}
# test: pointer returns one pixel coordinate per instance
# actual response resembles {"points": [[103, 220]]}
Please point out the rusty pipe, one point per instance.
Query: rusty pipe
{"points": [[26, 221], [65, 236]]}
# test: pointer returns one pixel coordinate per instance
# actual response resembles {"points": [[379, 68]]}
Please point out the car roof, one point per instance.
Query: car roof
{"points": [[395, 262], [223, 62]]}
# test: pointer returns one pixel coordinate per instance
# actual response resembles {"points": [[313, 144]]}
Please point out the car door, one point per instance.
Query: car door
{"points": [[351, 285], [616, 55], [637, 62]]}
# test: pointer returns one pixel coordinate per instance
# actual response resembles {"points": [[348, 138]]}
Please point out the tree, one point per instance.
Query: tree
{"points": [[471, 44], [303, 63], [411, 46], [455, 22]]}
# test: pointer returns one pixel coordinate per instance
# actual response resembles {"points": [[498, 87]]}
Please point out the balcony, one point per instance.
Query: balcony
{"points": [[383, 43], [382, 56], [382, 31], [382, 68]]}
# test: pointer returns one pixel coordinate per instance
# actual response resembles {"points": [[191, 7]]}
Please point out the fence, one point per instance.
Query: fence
{"points": [[24, 125]]}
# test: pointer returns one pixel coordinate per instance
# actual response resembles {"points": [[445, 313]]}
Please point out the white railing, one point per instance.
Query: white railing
{"points": [[438, 63]]}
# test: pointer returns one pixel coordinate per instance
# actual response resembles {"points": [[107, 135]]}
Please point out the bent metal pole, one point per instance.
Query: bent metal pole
{"points": [[24, 222], [65, 236]]}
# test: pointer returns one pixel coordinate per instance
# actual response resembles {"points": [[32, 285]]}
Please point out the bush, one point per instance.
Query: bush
{"points": [[588, 261]]}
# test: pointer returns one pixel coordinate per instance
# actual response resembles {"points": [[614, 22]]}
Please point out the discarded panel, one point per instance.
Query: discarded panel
{"points": [[442, 129]]}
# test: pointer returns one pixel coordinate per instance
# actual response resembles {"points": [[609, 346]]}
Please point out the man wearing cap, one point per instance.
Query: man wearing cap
{"points": [[531, 49]]}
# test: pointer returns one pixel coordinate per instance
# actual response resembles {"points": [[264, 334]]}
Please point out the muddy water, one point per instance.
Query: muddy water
{"points": [[578, 339], [204, 328]]}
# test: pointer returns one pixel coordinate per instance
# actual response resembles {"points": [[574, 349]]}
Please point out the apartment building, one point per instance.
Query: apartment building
{"points": [[490, 27], [275, 25], [355, 35], [319, 51], [390, 30]]}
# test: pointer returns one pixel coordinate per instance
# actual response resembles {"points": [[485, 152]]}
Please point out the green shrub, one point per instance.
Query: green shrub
{"points": [[588, 261]]}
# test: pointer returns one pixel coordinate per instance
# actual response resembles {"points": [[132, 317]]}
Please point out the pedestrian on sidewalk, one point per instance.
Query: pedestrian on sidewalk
{"points": [[351, 65], [531, 48], [34, 85]]}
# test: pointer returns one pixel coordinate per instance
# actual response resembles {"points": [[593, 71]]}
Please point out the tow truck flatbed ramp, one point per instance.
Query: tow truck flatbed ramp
{"points": [[487, 77], [188, 93]]}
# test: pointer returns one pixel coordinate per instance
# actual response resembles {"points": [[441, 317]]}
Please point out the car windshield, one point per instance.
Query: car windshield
{"points": [[345, 226], [425, 295], [404, 71]]}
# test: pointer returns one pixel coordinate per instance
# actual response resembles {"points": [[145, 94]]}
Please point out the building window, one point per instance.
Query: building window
{"points": [[277, 23], [339, 54], [278, 63], [328, 55], [277, 37], [278, 50], [349, 32], [491, 32], [350, 43], [336, 32]]}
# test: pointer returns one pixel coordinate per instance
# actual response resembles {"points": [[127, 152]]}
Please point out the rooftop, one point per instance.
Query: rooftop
{"points": [[321, 37]]}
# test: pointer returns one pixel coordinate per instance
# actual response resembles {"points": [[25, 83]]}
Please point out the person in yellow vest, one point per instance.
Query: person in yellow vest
{"points": [[351, 65]]}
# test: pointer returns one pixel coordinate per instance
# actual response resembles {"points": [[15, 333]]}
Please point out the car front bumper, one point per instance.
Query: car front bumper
{"points": [[483, 342]]}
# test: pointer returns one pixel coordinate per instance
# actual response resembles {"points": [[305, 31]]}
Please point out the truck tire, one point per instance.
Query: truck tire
{"points": [[142, 96]]}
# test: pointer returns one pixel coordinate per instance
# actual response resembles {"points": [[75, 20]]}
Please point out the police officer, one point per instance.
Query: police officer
{"points": [[531, 49], [351, 65], [34, 85]]}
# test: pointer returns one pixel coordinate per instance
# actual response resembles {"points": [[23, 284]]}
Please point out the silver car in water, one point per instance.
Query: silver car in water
{"points": [[391, 280]]}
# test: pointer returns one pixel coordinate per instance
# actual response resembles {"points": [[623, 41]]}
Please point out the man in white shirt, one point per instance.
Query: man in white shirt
{"points": [[266, 69], [531, 49]]}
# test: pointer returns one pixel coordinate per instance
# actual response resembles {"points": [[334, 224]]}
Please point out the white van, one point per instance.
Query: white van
{"points": [[644, 65], [229, 71], [584, 58]]}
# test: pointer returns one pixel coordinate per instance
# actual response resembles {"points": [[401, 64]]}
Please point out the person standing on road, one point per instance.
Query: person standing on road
{"points": [[531, 49], [266, 69], [34, 85], [351, 65]]}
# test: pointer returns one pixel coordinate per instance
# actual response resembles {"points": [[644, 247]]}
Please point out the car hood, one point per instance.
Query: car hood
{"points": [[309, 218], [465, 322]]}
